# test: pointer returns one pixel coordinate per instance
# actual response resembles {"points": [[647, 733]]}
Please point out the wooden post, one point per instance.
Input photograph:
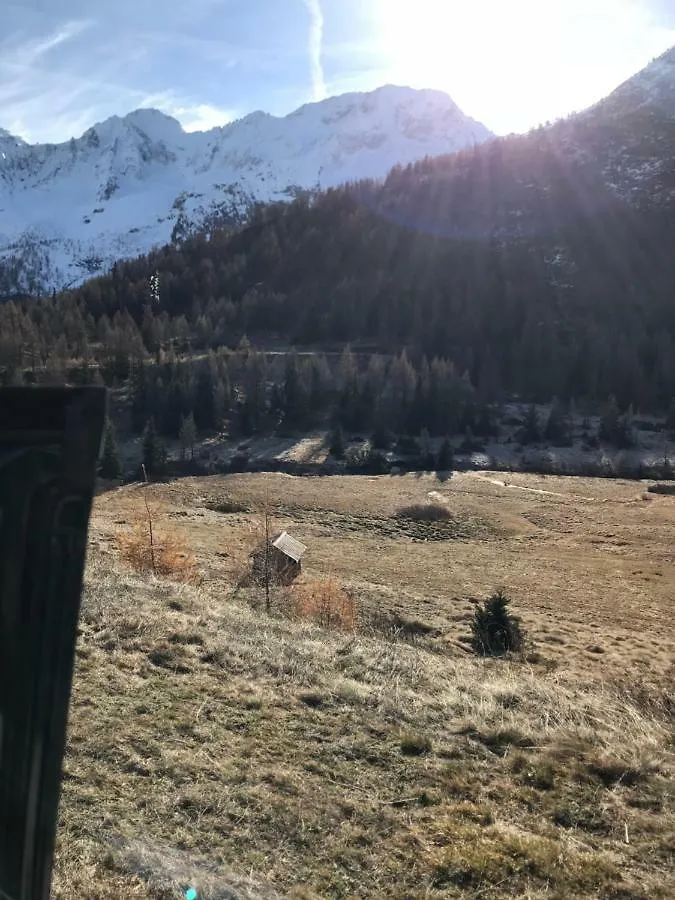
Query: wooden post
{"points": [[147, 509], [267, 546]]}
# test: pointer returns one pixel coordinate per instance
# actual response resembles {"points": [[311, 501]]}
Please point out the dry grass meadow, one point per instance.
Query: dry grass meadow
{"points": [[245, 754]]}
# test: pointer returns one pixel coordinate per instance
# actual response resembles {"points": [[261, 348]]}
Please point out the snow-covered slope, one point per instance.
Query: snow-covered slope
{"points": [[653, 86], [70, 210], [630, 136]]}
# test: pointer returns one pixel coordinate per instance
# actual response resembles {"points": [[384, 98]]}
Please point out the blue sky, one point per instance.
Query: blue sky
{"points": [[510, 63]]}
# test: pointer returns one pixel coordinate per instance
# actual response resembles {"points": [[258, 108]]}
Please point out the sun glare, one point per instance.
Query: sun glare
{"points": [[434, 36], [517, 61]]}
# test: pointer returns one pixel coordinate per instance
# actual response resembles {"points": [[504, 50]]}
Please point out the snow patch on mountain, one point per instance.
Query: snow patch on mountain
{"points": [[132, 183]]}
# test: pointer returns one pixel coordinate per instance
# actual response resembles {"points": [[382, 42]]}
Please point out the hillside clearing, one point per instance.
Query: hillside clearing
{"points": [[247, 755]]}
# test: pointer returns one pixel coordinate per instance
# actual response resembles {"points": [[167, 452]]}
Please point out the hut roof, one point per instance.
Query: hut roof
{"points": [[289, 546]]}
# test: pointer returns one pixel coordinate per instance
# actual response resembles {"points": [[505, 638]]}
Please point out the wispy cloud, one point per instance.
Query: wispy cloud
{"points": [[205, 63], [50, 92], [22, 55], [316, 27]]}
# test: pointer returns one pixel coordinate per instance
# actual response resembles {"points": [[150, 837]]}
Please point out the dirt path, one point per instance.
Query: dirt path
{"points": [[519, 487]]}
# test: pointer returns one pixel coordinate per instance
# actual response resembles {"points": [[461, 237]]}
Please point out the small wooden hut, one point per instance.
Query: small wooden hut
{"points": [[284, 555]]}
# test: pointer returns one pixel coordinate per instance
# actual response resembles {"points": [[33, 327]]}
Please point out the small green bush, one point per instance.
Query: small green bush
{"points": [[495, 631]]}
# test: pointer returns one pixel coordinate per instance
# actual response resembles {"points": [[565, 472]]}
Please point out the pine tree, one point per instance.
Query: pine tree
{"points": [[296, 394], [321, 384], [382, 438], [446, 457], [495, 631], [187, 436], [221, 402], [336, 444], [204, 399], [670, 418], [426, 454], [110, 466], [349, 382], [616, 429], [609, 421], [254, 411], [154, 451], [557, 428], [139, 390], [530, 433]]}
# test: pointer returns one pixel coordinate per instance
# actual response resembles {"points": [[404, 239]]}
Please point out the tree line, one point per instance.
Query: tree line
{"points": [[397, 405]]}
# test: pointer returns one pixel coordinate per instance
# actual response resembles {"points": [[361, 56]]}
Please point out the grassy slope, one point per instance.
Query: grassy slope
{"points": [[211, 744]]}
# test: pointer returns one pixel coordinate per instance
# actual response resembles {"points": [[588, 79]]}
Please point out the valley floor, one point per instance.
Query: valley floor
{"points": [[252, 755]]}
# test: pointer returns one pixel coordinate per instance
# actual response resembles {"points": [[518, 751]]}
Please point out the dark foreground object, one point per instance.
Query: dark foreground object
{"points": [[49, 444]]}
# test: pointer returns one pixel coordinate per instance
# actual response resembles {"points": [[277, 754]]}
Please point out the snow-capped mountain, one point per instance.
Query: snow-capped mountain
{"points": [[68, 211]]}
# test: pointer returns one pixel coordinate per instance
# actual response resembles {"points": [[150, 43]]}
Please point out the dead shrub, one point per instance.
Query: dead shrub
{"points": [[612, 772], [424, 512], [322, 601], [415, 744], [228, 507], [165, 554]]}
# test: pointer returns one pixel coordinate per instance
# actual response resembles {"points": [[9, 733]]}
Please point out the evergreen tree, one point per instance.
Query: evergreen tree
{"points": [[407, 445], [670, 418], [204, 399], [399, 393], [382, 438], [321, 384], [609, 421], [495, 631], [154, 451], [557, 428], [486, 424], [110, 466], [187, 436], [530, 433], [221, 402], [470, 443], [139, 390], [296, 394], [446, 457], [616, 429], [349, 399], [427, 458], [254, 410], [336, 445]]}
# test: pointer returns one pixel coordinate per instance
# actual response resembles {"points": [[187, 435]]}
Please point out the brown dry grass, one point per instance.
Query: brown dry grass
{"points": [[321, 601], [211, 744], [150, 545]]}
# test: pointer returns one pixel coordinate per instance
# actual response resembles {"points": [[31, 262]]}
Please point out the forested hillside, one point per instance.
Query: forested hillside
{"points": [[519, 268], [541, 283]]}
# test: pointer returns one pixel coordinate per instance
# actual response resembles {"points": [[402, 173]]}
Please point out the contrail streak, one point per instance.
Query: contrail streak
{"points": [[315, 45]]}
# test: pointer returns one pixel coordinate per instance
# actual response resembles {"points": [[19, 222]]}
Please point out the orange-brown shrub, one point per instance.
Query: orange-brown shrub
{"points": [[322, 601], [167, 555]]}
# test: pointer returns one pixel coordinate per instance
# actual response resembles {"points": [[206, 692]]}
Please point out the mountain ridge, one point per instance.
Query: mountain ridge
{"points": [[134, 183], [128, 184]]}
